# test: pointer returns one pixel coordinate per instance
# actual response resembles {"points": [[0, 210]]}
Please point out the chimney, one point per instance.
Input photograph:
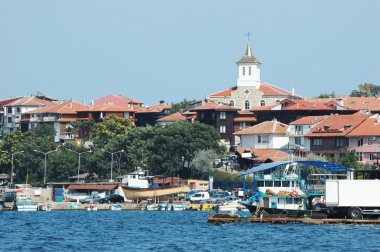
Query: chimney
{"points": [[378, 118], [293, 92], [92, 103], [162, 102]]}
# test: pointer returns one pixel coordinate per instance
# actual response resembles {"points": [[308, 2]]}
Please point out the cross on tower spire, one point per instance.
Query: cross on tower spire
{"points": [[248, 35]]}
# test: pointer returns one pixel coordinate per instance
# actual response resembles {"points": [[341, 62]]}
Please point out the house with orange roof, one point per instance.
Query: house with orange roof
{"points": [[219, 116], [2, 104], [250, 91], [266, 135], [101, 112], [365, 140], [329, 137], [172, 118], [248, 157], [298, 143], [288, 110], [117, 100], [354, 104], [60, 116], [12, 111], [148, 115]]}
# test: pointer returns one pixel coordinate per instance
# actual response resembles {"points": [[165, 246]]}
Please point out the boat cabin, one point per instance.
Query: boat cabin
{"points": [[137, 179]]}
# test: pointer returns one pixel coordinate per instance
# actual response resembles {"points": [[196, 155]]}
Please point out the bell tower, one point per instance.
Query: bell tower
{"points": [[248, 69]]}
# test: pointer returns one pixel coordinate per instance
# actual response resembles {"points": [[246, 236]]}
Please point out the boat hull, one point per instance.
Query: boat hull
{"points": [[26, 208], [151, 193]]}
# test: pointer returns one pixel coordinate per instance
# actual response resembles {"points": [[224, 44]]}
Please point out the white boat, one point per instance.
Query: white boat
{"points": [[23, 203], [75, 197], [116, 207], [152, 207], [178, 207]]}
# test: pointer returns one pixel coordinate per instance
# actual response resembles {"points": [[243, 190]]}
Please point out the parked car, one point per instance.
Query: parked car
{"points": [[200, 197], [217, 198], [90, 199], [112, 198], [191, 193], [9, 196]]}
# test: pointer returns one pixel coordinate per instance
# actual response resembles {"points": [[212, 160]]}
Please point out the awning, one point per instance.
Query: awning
{"points": [[334, 168], [92, 187]]}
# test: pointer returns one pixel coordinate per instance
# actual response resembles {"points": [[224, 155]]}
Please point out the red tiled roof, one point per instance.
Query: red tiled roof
{"points": [[159, 108], [353, 103], [337, 125], [267, 127], [30, 101], [108, 108], [263, 108], [370, 127], [271, 90], [6, 101], [117, 100], [245, 119], [92, 187], [263, 155], [172, 118], [308, 120], [226, 92], [63, 108], [214, 106]]}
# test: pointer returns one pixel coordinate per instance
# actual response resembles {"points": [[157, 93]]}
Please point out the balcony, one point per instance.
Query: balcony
{"points": [[50, 118], [68, 136]]}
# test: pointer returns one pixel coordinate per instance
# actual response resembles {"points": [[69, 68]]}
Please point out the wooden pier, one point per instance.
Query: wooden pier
{"points": [[284, 220]]}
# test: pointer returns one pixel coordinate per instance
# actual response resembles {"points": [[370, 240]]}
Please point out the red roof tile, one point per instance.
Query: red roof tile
{"points": [[226, 92], [30, 101], [108, 108], [337, 125], [308, 120], [267, 127], [173, 118], [159, 108], [263, 155], [353, 103], [214, 106], [117, 100], [245, 119], [370, 127], [271, 90]]}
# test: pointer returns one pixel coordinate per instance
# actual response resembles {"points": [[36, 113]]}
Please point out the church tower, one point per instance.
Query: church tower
{"points": [[249, 70]]}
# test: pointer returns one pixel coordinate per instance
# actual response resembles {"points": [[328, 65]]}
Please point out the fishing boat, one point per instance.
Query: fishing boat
{"points": [[92, 207], [287, 189], [178, 207], [138, 186], [23, 203]]}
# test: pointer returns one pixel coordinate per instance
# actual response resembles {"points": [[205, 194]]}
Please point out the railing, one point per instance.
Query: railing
{"points": [[50, 118], [68, 136]]}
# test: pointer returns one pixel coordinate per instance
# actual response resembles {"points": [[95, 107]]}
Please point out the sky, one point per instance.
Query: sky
{"points": [[173, 50]]}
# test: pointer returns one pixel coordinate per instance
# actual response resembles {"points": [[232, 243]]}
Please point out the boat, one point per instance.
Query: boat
{"points": [[138, 186], [116, 207], [75, 197], [23, 203], [152, 207], [178, 207], [281, 189]]}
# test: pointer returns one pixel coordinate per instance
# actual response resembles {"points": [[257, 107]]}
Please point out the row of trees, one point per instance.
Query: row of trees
{"points": [[175, 149]]}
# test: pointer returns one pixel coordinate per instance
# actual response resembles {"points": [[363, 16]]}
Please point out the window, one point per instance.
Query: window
{"points": [[222, 115], [371, 156], [243, 70], [232, 103], [285, 183], [370, 139], [9, 119], [222, 129], [297, 140], [277, 101], [9, 109], [297, 200], [246, 104], [202, 115], [268, 183], [289, 201], [360, 141], [249, 70], [277, 183], [317, 141], [262, 139], [262, 103], [339, 142], [260, 183], [281, 201], [243, 125], [360, 156], [18, 110]]}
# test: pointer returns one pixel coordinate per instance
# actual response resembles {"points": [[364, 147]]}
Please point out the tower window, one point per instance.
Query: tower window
{"points": [[243, 70], [247, 105], [232, 103], [262, 103], [249, 70]]}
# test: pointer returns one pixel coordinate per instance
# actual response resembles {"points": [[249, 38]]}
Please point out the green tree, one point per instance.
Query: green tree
{"points": [[366, 90], [181, 105], [113, 126], [327, 95], [350, 160], [203, 160]]}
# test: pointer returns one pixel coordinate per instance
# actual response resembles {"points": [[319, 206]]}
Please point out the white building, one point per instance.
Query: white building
{"points": [[250, 91], [299, 128], [266, 135]]}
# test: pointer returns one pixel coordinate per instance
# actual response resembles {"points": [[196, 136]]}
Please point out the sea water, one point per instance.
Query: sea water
{"points": [[172, 231]]}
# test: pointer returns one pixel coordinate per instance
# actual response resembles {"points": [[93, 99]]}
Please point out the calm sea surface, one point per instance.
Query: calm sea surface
{"points": [[171, 231]]}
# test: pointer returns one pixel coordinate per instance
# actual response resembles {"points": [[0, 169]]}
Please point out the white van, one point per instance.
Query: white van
{"points": [[199, 197]]}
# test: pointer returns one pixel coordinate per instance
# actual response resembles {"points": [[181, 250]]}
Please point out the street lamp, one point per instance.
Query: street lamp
{"points": [[12, 154], [112, 153], [79, 154], [45, 153]]}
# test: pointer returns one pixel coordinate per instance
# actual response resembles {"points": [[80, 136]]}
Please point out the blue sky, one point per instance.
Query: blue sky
{"points": [[171, 50]]}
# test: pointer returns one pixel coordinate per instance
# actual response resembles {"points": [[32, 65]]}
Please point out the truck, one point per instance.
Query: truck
{"points": [[353, 198]]}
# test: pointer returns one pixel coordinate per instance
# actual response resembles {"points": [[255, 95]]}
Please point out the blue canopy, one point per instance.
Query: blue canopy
{"points": [[334, 168]]}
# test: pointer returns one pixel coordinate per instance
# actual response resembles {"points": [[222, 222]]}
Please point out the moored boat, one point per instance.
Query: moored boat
{"points": [[151, 193], [23, 203]]}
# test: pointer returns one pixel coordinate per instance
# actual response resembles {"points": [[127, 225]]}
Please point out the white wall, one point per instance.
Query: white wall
{"points": [[275, 142]]}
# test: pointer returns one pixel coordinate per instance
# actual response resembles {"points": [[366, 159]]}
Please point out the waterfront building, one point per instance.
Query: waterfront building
{"points": [[297, 131], [60, 116], [365, 140], [329, 138], [250, 91], [172, 118], [117, 100], [12, 111], [2, 121], [148, 115]]}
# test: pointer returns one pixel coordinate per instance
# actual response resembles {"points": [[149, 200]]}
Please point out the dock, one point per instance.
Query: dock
{"points": [[285, 220]]}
